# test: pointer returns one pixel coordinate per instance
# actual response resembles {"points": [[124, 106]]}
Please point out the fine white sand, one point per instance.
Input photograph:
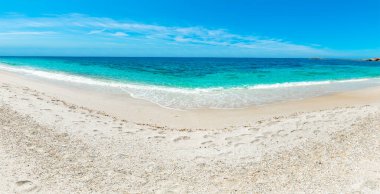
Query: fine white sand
{"points": [[54, 141]]}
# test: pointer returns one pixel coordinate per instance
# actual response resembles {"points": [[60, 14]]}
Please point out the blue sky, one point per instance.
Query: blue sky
{"points": [[197, 28]]}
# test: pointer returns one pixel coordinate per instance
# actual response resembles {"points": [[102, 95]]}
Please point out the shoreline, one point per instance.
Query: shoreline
{"points": [[140, 111], [178, 98]]}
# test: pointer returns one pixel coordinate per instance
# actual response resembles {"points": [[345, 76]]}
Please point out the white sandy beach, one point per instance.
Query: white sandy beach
{"points": [[61, 139]]}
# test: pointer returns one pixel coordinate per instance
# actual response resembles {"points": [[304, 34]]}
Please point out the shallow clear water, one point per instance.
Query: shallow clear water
{"points": [[205, 82]]}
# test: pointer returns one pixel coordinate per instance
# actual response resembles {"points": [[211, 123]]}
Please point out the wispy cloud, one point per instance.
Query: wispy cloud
{"points": [[120, 34], [96, 31], [27, 33], [83, 25]]}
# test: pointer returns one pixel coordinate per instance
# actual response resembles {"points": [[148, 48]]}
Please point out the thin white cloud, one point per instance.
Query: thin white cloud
{"points": [[28, 33], [96, 31], [120, 34], [100, 26]]}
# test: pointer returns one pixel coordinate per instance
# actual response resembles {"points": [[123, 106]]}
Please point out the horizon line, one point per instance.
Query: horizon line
{"points": [[84, 56]]}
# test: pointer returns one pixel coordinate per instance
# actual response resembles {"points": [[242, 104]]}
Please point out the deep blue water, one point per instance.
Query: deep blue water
{"points": [[205, 82]]}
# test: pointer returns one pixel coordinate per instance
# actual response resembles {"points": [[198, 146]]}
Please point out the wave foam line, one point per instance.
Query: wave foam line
{"points": [[105, 83]]}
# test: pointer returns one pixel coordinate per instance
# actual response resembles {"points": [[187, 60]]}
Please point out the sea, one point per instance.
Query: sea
{"points": [[197, 83]]}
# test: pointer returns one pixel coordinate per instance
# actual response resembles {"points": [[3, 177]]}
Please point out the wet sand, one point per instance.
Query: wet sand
{"points": [[140, 111]]}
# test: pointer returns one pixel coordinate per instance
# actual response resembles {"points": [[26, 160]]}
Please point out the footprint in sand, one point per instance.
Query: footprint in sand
{"points": [[208, 136], [157, 137], [161, 132], [238, 144], [233, 138], [272, 123], [206, 142], [181, 138], [254, 129], [316, 132], [243, 135], [255, 141], [281, 133], [26, 186]]}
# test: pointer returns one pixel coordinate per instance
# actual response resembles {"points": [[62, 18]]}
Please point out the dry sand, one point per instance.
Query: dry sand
{"points": [[52, 141]]}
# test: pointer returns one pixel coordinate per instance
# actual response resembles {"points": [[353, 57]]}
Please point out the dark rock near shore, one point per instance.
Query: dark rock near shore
{"points": [[373, 59]]}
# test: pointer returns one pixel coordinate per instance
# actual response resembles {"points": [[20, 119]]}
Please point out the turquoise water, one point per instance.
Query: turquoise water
{"points": [[205, 82]]}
